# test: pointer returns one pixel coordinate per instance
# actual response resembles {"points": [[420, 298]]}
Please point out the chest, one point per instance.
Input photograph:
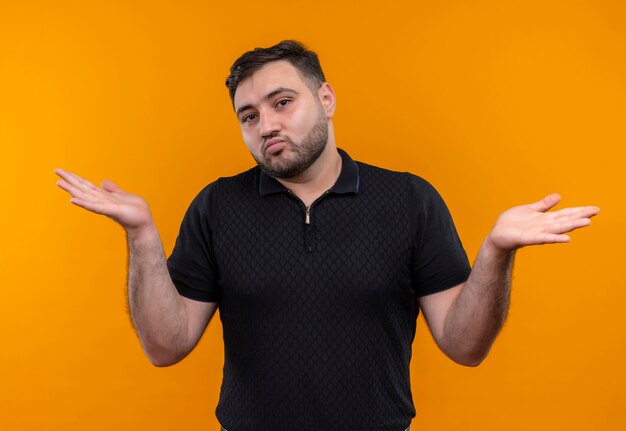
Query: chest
{"points": [[340, 251]]}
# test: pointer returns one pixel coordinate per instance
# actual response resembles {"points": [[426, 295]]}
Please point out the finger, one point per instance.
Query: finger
{"points": [[66, 176], [72, 190], [546, 203], [82, 191], [74, 179], [110, 186], [549, 238], [568, 226], [558, 239], [84, 182], [588, 211], [95, 207]]}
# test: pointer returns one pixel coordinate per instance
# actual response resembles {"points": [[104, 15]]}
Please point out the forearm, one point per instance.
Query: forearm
{"points": [[480, 309], [156, 309], [466, 321], [167, 326]]}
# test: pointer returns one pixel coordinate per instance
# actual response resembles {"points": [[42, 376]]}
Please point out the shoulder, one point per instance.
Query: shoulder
{"points": [[236, 185], [403, 191], [247, 178], [412, 183], [243, 180]]}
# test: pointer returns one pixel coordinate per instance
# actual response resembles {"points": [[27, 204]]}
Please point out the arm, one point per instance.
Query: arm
{"points": [[168, 325], [466, 319]]}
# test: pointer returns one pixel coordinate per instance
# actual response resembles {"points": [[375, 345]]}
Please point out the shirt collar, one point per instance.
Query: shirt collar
{"points": [[348, 181]]}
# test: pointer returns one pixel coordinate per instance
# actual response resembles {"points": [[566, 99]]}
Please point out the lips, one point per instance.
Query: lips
{"points": [[274, 145], [272, 142]]}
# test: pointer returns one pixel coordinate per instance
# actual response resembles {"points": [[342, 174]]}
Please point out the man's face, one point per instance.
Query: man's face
{"points": [[283, 123]]}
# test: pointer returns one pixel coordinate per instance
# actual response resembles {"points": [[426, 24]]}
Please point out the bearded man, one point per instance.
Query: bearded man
{"points": [[319, 265]]}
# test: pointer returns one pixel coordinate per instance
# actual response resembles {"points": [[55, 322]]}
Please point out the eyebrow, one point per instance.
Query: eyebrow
{"points": [[268, 96]]}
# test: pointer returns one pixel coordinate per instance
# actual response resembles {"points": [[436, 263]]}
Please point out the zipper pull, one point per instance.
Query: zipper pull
{"points": [[307, 217]]}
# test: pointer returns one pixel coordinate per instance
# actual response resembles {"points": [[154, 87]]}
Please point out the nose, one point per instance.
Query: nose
{"points": [[268, 124]]}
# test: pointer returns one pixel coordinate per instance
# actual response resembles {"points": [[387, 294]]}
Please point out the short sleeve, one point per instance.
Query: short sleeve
{"points": [[192, 263], [439, 261]]}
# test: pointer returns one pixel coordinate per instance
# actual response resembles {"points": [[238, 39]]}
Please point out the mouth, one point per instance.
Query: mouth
{"points": [[274, 145]]}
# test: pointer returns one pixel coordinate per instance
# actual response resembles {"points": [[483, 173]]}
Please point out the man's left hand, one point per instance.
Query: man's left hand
{"points": [[532, 224]]}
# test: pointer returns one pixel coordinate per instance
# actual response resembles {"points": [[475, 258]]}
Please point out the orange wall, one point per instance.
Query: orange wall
{"points": [[496, 103]]}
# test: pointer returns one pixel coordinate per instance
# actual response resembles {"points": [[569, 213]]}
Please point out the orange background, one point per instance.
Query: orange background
{"points": [[496, 103]]}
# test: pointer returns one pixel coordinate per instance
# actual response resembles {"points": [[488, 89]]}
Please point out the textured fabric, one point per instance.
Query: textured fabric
{"points": [[318, 318]]}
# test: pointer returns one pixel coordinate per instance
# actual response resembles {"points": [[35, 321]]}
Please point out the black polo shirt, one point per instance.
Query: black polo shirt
{"points": [[318, 305]]}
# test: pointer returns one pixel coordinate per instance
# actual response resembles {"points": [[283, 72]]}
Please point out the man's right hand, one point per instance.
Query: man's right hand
{"points": [[130, 211], [168, 325]]}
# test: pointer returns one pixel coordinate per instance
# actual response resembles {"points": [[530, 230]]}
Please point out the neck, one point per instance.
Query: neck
{"points": [[318, 178]]}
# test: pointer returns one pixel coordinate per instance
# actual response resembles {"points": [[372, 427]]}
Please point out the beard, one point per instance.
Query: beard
{"points": [[304, 154]]}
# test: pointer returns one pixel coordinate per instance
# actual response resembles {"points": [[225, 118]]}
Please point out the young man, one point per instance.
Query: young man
{"points": [[319, 265]]}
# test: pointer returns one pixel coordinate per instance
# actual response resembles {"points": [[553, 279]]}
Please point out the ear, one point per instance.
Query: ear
{"points": [[327, 97]]}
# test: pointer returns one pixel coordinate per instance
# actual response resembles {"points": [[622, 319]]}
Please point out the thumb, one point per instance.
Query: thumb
{"points": [[546, 203], [110, 186]]}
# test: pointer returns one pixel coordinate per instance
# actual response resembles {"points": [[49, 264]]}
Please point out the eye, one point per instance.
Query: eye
{"points": [[248, 118], [282, 103]]}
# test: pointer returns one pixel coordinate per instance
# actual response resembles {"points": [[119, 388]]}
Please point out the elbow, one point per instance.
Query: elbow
{"points": [[162, 362], [161, 357], [471, 357], [469, 361]]}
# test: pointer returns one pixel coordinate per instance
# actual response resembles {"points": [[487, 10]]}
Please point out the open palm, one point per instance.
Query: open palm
{"points": [[532, 224], [131, 211]]}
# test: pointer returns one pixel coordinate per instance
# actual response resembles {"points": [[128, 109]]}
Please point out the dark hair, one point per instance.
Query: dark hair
{"points": [[294, 52]]}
